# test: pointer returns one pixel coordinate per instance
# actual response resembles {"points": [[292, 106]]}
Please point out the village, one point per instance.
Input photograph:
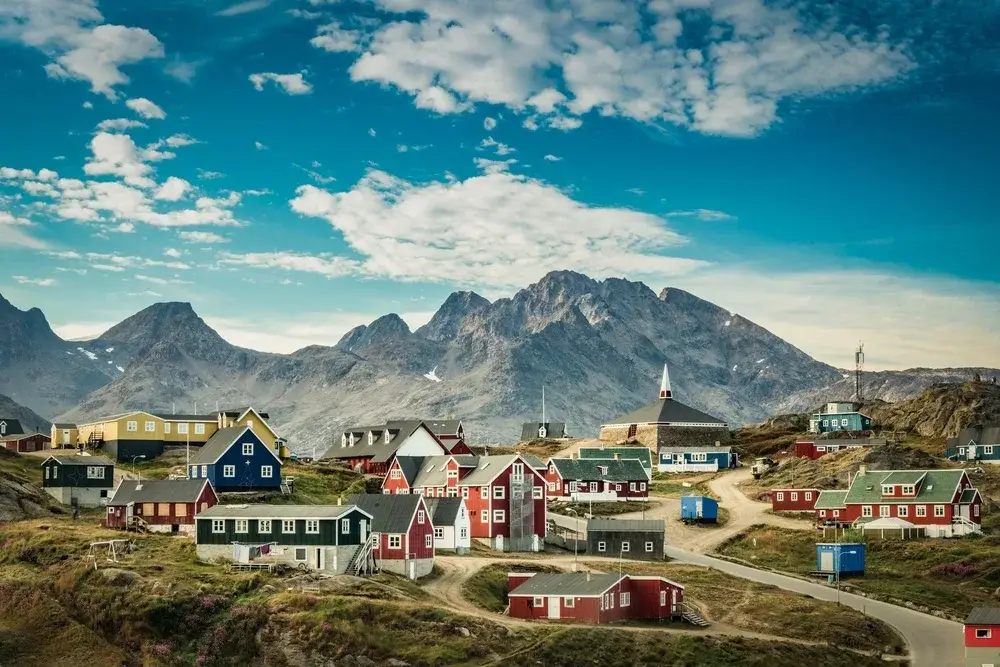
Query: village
{"points": [[615, 531]]}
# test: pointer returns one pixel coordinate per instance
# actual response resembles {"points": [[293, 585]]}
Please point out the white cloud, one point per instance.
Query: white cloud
{"points": [[202, 237], [206, 175], [180, 140], [161, 281], [558, 61], [119, 124], [500, 148], [79, 272], [115, 262], [636, 191], [143, 293], [489, 123], [173, 189], [243, 8], [703, 214], [88, 105], [146, 108], [371, 131], [117, 155], [336, 39], [172, 252], [38, 282], [259, 146], [183, 70], [293, 84], [327, 265], [124, 228], [493, 166], [553, 158]]}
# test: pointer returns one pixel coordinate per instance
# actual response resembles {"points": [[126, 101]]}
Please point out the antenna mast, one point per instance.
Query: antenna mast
{"points": [[859, 367], [543, 404]]}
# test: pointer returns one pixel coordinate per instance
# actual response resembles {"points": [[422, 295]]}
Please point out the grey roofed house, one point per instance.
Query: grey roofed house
{"points": [[10, 427], [391, 514], [534, 462], [236, 412], [604, 470], [553, 430], [487, 467], [157, 491], [423, 471], [80, 460], [446, 427], [673, 449], [443, 511], [983, 616], [64, 425], [219, 444], [379, 450], [628, 525], [980, 435], [667, 411], [276, 511], [567, 583]]}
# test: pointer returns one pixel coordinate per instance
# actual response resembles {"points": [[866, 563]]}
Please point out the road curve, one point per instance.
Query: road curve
{"points": [[933, 641]]}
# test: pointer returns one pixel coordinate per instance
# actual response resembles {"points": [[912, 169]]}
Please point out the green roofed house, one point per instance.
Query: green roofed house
{"points": [[597, 479], [941, 502], [640, 454]]}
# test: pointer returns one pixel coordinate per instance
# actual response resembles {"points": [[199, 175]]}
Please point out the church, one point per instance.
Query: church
{"points": [[666, 423]]}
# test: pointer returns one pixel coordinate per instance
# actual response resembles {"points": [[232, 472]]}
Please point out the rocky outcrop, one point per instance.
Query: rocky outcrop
{"points": [[943, 410], [19, 498]]}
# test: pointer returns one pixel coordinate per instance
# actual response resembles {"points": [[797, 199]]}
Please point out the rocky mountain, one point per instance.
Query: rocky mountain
{"points": [[597, 347], [30, 421], [942, 410]]}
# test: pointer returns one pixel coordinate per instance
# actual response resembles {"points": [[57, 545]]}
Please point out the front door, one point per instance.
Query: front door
{"points": [[65, 437], [413, 569], [129, 511], [553, 606], [320, 561], [826, 561], [964, 511], [364, 531], [971, 453]]}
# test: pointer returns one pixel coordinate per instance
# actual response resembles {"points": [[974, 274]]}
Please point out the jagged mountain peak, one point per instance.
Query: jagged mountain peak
{"points": [[384, 329], [449, 319], [174, 322]]}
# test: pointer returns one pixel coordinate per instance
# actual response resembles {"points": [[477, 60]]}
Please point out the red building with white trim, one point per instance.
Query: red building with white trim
{"points": [[596, 479], [815, 448], [586, 597], [402, 532], [505, 496], [793, 500], [159, 505], [982, 637], [371, 449], [26, 442]]}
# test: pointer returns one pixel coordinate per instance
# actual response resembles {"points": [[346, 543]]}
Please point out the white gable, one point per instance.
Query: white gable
{"points": [[420, 443]]}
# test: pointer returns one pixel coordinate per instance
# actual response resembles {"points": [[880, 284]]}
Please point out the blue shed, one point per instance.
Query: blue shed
{"points": [[699, 508], [235, 459], [696, 458], [847, 557]]}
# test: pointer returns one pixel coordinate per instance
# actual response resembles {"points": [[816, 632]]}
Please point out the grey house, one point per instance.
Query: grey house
{"points": [[632, 538], [81, 480], [543, 431]]}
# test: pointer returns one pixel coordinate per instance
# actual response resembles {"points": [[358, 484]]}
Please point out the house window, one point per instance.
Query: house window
{"points": [[288, 525], [593, 487], [194, 472], [465, 492], [517, 471], [229, 471], [343, 440], [387, 437], [300, 554], [618, 487], [939, 510], [642, 486], [988, 449], [538, 492], [131, 427], [626, 547], [371, 438], [983, 633], [345, 526], [649, 547], [975, 510], [961, 451], [843, 422], [439, 533], [312, 526], [163, 509], [779, 496], [420, 516], [866, 510], [809, 495], [537, 602], [820, 448], [264, 526], [199, 429], [266, 472], [452, 474], [602, 546], [699, 457], [498, 492], [663, 598], [204, 471], [826, 422], [150, 427], [484, 492], [573, 487], [887, 489], [626, 599], [908, 490], [484, 516], [822, 513], [499, 516], [569, 602], [428, 541], [242, 526], [218, 525], [631, 486], [375, 540], [247, 449], [180, 509], [794, 496], [902, 510], [552, 486], [166, 427], [395, 541], [46, 473], [836, 513], [464, 533], [182, 429], [921, 510], [885, 510], [95, 472], [395, 473]]}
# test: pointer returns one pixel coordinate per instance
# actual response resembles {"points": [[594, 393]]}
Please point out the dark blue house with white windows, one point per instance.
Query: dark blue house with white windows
{"points": [[235, 459], [697, 458]]}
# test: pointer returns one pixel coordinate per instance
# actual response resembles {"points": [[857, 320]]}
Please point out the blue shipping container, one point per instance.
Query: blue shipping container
{"points": [[848, 557], [699, 508]]}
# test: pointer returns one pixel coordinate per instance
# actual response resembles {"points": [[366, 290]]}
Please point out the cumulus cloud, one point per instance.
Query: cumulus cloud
{"points": [[173, 189], [119, 124], [493, 166], [146, 108], [714, 66], [553, 158], [336, 39], [703, 214], [14, 232], [117, 155], [293, 84], [202, 237], [489, 123], [38, 282]]}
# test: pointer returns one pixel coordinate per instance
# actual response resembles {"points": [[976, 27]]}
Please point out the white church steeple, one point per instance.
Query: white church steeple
{"points": [[665, 385]]}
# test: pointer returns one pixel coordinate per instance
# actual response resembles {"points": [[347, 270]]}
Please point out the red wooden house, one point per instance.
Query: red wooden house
{"points": [[402, 532], [814, 448], [596, 479], [159, 505], [371, 449], [586, 597], [26, 442], [982, 637], [943, 502], [504, 494], [794, 500]]}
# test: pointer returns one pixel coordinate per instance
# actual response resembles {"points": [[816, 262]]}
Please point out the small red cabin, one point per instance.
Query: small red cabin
{"points": [[26, 442], [793, 500], [160, 505], [586, 597], [982, 637]]}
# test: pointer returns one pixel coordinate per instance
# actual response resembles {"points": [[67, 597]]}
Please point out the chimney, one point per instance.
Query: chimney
{"points": [[665, 391], [588, 575], [862, 469]]}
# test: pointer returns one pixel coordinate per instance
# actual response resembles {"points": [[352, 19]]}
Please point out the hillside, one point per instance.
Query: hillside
{"points": [[30, 420], [942, 410], [597, 346]]}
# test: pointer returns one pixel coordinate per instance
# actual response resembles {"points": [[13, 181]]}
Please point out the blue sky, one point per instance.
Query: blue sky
{"points": [[826, 170]]}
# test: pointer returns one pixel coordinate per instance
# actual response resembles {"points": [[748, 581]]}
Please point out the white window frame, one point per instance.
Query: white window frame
{"points": [[836, 513], [902, 511], [267, 472], [465, 492], [376, 540], [663, 598], [395, 541], [809, 496], [498, 493], [537, 601], [312, 526], [988, 635], [794, 496], [199, 429], [263, 525], [452, 474], [887, 489], [345, 526], [428, 540], [288, 526], [204, 471], [484, 492], [699, 457], [975, 510], [602, 547], [885, 511], [939, 511], [166, 428], [626, 547], [649, 547], [304, 552], [182, 429], [229, 471], [464, 532], [988, 449], [921, 511], [132, 426], [569, 602], [538, 493], [642, 486], [779, 496], [484, 516], [499, 516], [95, 472], [843, 422], [909, 489], [242, 526], [438, 533], [866, 510], [395, 473], [822, 513], [625, 599], [420, 516], [247, 449], [150, 427], [218, 525]]}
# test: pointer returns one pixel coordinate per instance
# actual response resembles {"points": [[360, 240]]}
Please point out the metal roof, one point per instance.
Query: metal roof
{"points": [[668, 411], [390, 513], [443, 511], [80, 460], [21, 436], [641, 454], [158, 491], [380, 450], [710, 449], [988, 434], [275, 511], [830, 500], [904, 477], [605, 470], [13, 426], [553, 430], [567, 583], [628, 525], [938, 486], [222, 440], [64, 425], [444, 426], [983, 616], [166, 416], [968, 496]]}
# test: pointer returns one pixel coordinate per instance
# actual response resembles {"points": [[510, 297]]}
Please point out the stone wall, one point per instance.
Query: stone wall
{"points": [[335, 559], [85, 496], [423, 567], [645, 434], [654, 437]]}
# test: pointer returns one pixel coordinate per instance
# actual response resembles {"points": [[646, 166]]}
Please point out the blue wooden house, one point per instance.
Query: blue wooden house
{"points": [[839, 417], [697, 458], [235, 459], [976, 443]]}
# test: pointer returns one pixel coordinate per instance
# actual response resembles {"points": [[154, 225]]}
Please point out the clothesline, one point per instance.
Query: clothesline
{"points": [[244, 553]]}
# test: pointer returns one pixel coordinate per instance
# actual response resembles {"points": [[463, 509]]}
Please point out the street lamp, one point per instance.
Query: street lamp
{"points": [[839, 554], [138, 456]]}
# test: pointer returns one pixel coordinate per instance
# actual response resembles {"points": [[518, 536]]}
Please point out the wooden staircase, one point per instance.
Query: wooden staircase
{"points": [[362, 561], [691, 614], [137, 523]]}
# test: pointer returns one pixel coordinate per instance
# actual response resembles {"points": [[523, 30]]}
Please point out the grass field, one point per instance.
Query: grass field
{"points": [[666, 485], [950, 576], [599, 509], [487, 588]]}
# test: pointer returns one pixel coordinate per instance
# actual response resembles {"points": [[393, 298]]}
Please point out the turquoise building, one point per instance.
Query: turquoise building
{"points": [[839, 417]]}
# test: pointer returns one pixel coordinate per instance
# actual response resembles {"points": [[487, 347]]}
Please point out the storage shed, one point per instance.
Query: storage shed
{"points": [[699, 509], [632, 538], [847, 557]]}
